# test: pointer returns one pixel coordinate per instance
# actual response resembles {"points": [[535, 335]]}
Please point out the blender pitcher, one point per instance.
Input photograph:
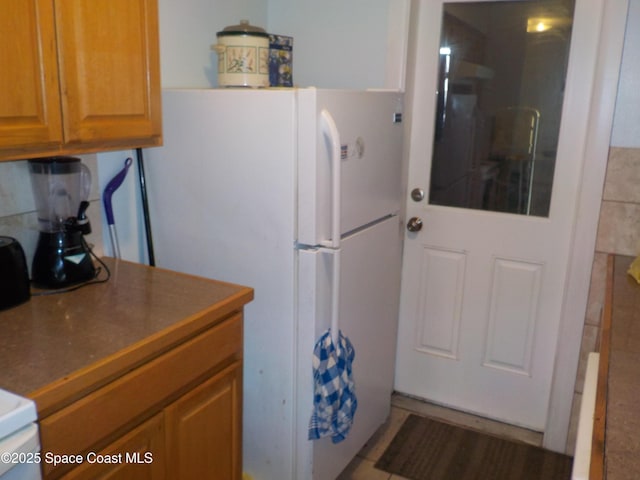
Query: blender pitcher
{"points": [[61, 188]]}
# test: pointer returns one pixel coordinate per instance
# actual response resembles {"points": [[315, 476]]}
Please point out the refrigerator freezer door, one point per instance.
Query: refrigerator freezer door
{"points": [[371, 152], [370, 279]]}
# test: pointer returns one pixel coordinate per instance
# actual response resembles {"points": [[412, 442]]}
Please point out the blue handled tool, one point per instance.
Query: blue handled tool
{"points": [[111, 187]]}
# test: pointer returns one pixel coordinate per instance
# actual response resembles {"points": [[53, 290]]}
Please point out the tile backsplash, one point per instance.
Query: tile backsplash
{"points": [[619, 228], [619, 233], [18, 217], [619, 225]]}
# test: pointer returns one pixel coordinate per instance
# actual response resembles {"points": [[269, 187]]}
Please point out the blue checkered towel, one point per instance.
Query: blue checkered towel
{"points": [[334, 399]]}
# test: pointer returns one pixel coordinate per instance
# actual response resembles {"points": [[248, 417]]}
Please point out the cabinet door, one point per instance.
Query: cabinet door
{"points": [[204, 429], [29, 91], [138, 455], [109, 67]]}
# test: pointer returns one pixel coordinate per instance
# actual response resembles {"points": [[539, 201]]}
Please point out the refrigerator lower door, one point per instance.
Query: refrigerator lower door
{"points": [[370, 285]]}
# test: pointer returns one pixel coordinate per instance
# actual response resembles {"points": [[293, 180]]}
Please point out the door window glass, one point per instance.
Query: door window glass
{"points": [[502, 68]]}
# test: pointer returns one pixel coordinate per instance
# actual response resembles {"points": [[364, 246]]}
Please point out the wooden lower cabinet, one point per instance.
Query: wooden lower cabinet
{"points": [[197, 437], [203, 430], [138, 455], [178, 416]]}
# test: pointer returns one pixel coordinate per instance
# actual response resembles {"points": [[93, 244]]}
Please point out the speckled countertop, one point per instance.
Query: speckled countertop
{"points": [[79, 339], [622, 432]]}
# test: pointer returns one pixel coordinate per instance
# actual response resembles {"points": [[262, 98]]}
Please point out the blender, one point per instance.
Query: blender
{"points": [[61, 190]]}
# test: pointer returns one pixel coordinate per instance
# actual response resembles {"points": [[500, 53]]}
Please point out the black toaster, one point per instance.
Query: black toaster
{"points": [[14, 276]]}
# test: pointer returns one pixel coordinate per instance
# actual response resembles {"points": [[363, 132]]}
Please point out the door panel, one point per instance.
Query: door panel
{"points": [[483, 280], [441, 289], [515, 294]]}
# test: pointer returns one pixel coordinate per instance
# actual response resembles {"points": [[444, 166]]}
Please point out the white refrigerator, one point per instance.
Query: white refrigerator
{"points": [[296, 193]]}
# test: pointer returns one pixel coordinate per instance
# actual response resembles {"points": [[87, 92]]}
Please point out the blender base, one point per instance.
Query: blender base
{"points": [[61, 259]]}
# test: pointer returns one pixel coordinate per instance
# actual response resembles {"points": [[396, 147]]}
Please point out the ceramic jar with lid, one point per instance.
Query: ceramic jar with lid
{"points": [[243, 56]]}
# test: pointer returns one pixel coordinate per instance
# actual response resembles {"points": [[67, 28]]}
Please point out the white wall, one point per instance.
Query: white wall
{"points": [[126, 205], [188, 29], [337, 44], [626, 122]]}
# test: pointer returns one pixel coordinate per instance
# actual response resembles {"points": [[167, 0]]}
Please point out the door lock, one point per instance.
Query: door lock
{"points": [[417, 194], [414, 224]]}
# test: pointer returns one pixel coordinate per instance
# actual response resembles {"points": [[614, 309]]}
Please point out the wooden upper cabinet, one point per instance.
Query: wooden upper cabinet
{"points": [[29, 89], [108, 57], [78, 76]]}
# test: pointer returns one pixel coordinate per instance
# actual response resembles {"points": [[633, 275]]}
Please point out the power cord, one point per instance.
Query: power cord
{"points": [[81, 285]]}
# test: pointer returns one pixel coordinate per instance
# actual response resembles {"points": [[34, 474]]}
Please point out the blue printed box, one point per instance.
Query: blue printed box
{"points": [[280, 61]]}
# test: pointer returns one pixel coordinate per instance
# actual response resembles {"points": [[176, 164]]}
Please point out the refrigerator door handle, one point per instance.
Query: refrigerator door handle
{"points": [[330, 130], [335, 295]]}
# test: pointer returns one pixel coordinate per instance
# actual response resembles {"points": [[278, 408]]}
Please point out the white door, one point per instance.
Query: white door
{"points": [[499, 110]]}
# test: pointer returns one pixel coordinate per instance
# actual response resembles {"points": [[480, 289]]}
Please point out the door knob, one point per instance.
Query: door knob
{"points": [[417, 194], [414, 224]]}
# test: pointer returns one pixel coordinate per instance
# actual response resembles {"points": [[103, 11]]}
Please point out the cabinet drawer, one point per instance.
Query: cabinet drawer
{"points": [[141, 392]]}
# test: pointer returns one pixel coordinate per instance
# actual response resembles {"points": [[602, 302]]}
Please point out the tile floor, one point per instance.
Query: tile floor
{"points": [[362, 467]]}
